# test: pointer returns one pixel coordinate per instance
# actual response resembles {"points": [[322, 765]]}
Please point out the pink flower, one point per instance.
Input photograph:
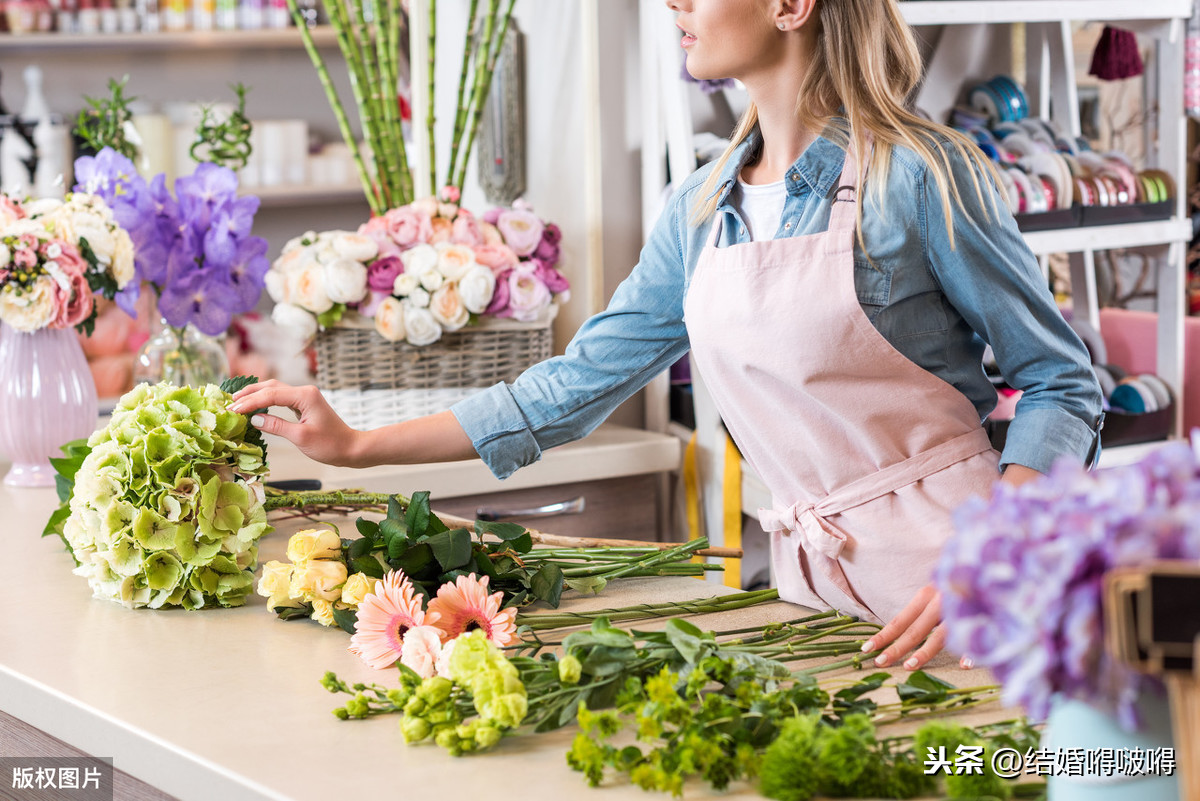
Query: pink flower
{"points": [[408, 227], [420, 650], [369, 305], [376, 228], [68, 258], [443, 229], [450, 194], [384, 617], [552, 234], [10, 210], [466, 605], [24, 257], [492, 215], [465, 230], [499, 305], [547, 252], [527, 295], [498, 258], [555, 281], [381, 273], [74, 303], [522, 230]]}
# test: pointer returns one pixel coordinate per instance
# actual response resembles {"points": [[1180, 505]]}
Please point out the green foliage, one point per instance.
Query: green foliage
{"points": [[103, 123], [225, 143]]}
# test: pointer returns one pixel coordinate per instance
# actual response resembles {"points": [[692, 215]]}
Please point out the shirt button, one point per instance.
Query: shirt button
{"points": [[794, 176], [787, 226]]}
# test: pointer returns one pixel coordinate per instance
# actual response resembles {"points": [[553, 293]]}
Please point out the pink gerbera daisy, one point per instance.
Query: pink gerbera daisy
{"points": [[465, 606], [383, 618]]}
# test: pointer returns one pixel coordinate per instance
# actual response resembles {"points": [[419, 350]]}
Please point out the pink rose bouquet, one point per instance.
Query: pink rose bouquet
{"points": [[422, 269], [55, 256]]}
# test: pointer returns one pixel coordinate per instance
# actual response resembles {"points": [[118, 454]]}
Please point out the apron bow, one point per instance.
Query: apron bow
{"points": [[802, 518]]}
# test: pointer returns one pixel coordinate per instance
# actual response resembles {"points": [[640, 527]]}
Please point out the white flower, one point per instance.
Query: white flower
{"points": [[455, 260], [122, 259], [404, 284], [420, 326], [42, 206], [419, 297], [345, 280], [55, 271], [34, 308], [294, 259], [276, 283], [476, 288], [5, 254], [447, 307], [443, 661], [286, 315], [420, 648], [390, 320], [419, 258], [54, 250], [431, 279], [355, 246], [306, 288]]}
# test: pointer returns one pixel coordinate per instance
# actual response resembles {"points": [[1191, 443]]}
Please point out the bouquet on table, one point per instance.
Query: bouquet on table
{"points": [[419, 270], [56, 256]]}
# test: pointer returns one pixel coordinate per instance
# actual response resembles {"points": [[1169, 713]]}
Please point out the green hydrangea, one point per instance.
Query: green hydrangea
{"points": [[167, 508]]}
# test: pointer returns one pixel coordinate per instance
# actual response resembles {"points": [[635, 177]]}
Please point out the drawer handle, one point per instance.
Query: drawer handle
{"points": [[571, 507]]}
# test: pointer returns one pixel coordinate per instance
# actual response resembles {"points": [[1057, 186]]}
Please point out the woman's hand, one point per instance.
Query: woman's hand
{"points": [[920, 620], [319, 434]]}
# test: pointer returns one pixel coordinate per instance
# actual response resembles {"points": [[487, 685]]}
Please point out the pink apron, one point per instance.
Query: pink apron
{"points": [[865, 453]]}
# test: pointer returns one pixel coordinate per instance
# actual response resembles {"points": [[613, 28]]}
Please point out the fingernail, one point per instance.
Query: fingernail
{"points": [[911, 663], [235, 406], [868, 646], [257, 420], [881, 660], [967, 663]]}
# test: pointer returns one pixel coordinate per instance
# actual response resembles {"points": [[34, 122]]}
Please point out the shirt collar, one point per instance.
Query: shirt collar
{"points": [[818, 167]]}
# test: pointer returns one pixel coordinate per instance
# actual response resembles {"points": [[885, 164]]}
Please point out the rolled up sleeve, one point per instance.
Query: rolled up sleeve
{"points": [[993, 279], [612, 356]]}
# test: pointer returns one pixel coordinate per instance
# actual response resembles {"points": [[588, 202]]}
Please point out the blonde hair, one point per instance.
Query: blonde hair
{"points": [[867, 63]]}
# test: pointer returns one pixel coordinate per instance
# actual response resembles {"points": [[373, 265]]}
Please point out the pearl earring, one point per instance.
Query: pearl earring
{"points": [[783, 26]]}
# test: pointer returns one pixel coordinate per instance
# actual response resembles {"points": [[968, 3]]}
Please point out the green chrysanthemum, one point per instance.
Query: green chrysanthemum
{"points": [[168, 504]]}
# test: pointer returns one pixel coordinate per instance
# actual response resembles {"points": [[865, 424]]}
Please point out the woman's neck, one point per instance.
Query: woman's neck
{"points": [[775, 91]]}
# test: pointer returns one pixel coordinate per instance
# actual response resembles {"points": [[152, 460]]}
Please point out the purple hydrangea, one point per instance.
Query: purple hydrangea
{"points": [[1022, 579]]}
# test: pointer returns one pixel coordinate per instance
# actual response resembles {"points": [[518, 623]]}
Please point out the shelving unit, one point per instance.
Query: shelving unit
{"points": [[972, 42], [306, 195], [267, 39]]}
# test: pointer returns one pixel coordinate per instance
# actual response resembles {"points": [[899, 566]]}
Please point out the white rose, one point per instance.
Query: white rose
{"points": [[5, 255], [419, 297], [276, 283], [420, 326], [32, 309], [122, 261], [390, 320], [291, 260], [324, 253], [286, 315], [26, 226], [354, 246], [476, 288], [345, 280], [275, 585], [42, 207], [431, 279], [304, 240], [306, 288], [447, 307], [455, 260], [419, 258], [404, 284]]}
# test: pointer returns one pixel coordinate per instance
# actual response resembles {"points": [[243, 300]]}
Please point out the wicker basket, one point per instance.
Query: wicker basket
{"points": [[371, 382]]}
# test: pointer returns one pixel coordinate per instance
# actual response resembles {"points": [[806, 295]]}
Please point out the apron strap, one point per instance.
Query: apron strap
{"points": [[714, 231], [844, 215]]}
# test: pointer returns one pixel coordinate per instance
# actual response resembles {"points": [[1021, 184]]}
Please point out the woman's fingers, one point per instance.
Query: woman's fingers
{"points": [[907, 629]]}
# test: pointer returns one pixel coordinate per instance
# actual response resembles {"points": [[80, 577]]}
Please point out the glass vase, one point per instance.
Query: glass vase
{"points": [[1076, 726], [182, 356], [47, 399]]}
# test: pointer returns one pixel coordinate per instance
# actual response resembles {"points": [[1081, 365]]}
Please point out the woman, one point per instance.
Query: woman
{"points": [[840, 332]]}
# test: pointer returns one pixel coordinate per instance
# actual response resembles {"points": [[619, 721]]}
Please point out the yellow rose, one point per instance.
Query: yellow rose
{"points": [[320, 579], [357, 587], [274, 585], [323, 612], [314, 543]]}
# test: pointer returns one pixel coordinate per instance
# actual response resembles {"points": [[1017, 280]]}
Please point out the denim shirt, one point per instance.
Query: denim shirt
{"points": [[938, 305]]}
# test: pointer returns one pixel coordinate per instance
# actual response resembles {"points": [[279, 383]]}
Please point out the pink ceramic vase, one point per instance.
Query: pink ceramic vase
{"points": [[47, 399]]}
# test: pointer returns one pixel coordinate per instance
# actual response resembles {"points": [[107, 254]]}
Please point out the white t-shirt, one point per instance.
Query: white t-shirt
{"points": [[761, 206]]}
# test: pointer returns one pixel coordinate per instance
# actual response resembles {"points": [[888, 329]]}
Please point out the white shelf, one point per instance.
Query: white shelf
{"points": [[305, 195], [267, 39], [1107, 237], [967, 12]]}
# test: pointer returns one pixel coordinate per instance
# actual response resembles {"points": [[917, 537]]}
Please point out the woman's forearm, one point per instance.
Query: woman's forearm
{"points": [[433, 438]]}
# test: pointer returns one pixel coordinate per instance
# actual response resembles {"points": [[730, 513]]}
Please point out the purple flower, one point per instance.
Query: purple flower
{"points": [[547, 252], [555, 281], [248, 271], [499, 305], [1021, 581], [203, 192], [552, 234], [492, 215], [381, 273], [203, 298]]}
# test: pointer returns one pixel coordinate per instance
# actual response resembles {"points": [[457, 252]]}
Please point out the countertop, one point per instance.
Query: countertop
{"points": [[226, 704]]}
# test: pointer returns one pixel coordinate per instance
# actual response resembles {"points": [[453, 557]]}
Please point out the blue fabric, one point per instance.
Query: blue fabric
{"points": [[937, 305]]}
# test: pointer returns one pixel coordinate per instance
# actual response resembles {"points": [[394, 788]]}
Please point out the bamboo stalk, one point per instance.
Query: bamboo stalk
{"points": [[372, 105], [484, 85], [564, 541], [360, 84], [430, 116], [385, 44], [460, 116], [335, 103], [481, 58]]}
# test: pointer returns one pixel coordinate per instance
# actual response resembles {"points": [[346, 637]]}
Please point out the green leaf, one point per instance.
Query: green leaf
{"points": [[414, 561], [367, 564], [921, 688], [238, 382], [501, 531], [687, 639], [588, 584], [368, 528], [484, 565], [393, 530], [345, 618], [547, 584], [293, 612], [436, 526], [327, 319], [452, 549], [395, 508], [417, 516], [360, 547]]}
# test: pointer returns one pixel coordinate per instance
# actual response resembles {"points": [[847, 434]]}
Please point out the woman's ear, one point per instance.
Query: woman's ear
{"points": [[791, 15]]}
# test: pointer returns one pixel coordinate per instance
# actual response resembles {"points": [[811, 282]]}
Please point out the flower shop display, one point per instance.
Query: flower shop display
{"points": [[164, 505], [55, 258], [1022, 581], [195, 250]]}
